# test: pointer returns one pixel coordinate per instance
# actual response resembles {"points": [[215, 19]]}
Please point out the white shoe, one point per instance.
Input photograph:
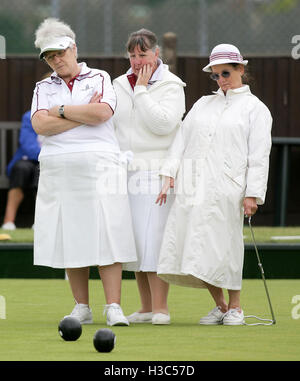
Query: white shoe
{"points": [[140, 317], [83, 313], [114, 315], [8, 226], [160, 318], [234, 316], [214, 317]]}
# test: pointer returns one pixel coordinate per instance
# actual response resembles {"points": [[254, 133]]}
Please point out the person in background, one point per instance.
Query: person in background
{"points": [[150, 106], [220, 159], [81, 218], [22, 171]]}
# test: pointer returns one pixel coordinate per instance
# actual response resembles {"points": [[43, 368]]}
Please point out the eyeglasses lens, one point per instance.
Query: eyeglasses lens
{"points": [[51, 57], [216, 77]]}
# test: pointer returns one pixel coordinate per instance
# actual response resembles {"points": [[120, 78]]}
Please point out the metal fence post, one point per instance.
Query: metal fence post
{"points": [[284, 181]]}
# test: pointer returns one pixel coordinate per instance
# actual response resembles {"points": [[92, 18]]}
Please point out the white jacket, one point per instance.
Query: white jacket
{"points": [[146, 120], [245, 148], [220, 155]]}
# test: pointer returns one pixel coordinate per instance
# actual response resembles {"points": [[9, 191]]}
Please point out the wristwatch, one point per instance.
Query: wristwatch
{"points": [[61, 111]]}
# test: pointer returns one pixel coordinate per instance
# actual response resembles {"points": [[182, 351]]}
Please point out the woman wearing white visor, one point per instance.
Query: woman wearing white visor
{"points": [[82, 210], [220, 157]]}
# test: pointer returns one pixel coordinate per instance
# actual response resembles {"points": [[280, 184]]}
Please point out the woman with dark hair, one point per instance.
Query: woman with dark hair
{"points": [[220, 159], [150, 105]]}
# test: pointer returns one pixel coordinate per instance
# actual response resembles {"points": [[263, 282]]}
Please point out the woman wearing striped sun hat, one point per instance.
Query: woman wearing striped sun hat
{"points": [[220, 161]]}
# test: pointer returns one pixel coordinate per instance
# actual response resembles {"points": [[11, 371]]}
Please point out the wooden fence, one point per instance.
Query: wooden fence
{"points": [[275, 81]]}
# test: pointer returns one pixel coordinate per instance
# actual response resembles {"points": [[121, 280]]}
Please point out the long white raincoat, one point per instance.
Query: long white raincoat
{"points": [[220, 155]]}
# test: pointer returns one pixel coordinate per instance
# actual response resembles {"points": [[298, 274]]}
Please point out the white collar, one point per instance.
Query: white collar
{"points": [[239, 90], [84, 70]]}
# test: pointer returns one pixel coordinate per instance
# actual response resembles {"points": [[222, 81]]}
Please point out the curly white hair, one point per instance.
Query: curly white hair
{"points": [[52, 28]]}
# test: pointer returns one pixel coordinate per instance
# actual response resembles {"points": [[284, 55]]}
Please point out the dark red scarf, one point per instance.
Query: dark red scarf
{"points": [[132, 78]]}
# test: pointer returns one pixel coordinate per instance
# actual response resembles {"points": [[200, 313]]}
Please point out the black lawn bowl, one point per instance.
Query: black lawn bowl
{"points": [[104, 340], [70, 328]]}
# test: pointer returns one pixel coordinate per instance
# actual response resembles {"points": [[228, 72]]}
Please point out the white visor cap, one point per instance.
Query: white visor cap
{"points": [[60, 43], [224, 54]]}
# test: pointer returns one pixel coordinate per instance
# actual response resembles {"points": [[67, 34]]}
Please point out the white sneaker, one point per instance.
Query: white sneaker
{"points": [[234, 317], [8, 226], [160, 318], [83, 313], [114, 315], [214, 317], [140, 317]]}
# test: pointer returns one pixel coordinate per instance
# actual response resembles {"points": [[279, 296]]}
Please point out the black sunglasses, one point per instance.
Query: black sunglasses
{"points": [[224, 74]]}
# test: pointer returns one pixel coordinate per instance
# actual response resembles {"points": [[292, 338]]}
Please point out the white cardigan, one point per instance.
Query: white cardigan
{"points": [[146, 120]]}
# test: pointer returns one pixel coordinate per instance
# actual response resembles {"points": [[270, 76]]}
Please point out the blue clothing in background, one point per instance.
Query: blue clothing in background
{"points": [[29, 146]]}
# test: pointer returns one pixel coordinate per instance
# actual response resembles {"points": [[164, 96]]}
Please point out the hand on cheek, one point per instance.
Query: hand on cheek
{"points": [[144, 75]]}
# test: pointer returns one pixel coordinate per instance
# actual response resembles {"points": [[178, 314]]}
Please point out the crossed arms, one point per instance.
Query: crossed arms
{"points": [[49, 122]]}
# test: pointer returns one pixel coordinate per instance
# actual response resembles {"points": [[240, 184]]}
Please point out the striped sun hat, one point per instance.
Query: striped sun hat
{"points": [[224, 54]]}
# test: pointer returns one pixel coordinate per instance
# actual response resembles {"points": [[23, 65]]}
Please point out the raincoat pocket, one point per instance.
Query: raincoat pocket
{"points": [[238, 175]]}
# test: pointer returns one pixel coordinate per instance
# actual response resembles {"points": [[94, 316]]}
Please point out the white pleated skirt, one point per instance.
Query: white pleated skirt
{"points": [[82, 215], [149, 219]]}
